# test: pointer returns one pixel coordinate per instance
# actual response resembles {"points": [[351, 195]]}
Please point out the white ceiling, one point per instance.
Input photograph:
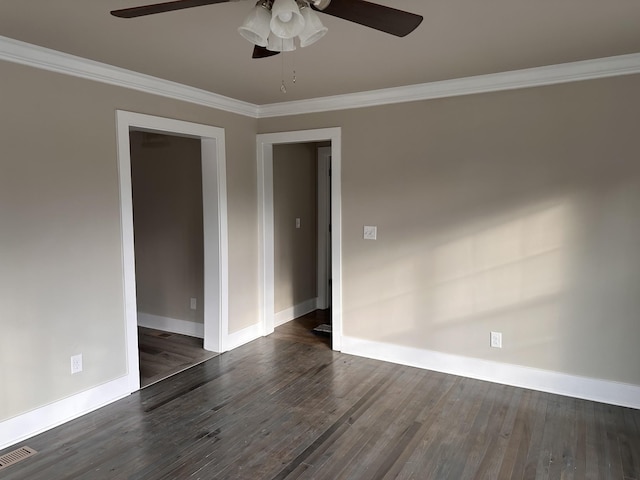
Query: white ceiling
{"points": [[200, 47]]}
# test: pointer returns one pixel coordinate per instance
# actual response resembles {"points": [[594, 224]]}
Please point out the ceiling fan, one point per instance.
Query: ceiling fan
{"points": [[272, 24]]}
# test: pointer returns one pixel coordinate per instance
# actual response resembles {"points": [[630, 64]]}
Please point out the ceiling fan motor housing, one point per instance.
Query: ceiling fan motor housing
{"points": [[320, 4]]}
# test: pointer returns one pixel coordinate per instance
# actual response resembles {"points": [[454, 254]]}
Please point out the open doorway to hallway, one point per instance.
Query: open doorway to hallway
{"points": [[214, 214], [166, 183], [302, 239], [265, 146]]}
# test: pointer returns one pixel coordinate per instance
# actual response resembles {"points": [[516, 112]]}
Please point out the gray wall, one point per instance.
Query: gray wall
{"points": [[295, 249], [61, 288], [166, 176], [469, 194], [515, 211]]}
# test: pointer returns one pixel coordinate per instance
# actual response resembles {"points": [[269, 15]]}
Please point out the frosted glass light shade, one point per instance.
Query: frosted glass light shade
{"points": [[286, 19], [255, 27], [277, 44], [313, 30]]}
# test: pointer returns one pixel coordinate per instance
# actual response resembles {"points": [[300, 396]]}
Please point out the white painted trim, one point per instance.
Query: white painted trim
{"points": [[246, 335], [266, 263], [605, 391], [173, 325], [264, 145], [216, 247], [298, 310], [336, 241], [215, 229], [128, 257], [526, 78], [36, 421], [46, 59], [39, 57]]}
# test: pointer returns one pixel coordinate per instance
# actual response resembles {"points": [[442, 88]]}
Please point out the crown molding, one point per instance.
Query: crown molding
{"points": [[526, 78], [44, 58]]}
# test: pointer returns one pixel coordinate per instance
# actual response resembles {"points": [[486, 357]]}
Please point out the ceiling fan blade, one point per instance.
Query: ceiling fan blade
{"points": [[262, 52], [162, 7], [386, 19]]}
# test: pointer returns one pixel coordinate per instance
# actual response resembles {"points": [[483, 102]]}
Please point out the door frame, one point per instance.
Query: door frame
{"points": [[264, 145], [324, 227], [214, 206]]}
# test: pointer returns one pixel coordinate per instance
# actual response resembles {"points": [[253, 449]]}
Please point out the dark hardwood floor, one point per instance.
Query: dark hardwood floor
{"points": [[163, 354], [301, 330], [282, 408]]}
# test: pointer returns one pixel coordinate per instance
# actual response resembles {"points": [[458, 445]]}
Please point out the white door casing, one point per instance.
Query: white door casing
{"points": [[214, 196], [264, 145]]}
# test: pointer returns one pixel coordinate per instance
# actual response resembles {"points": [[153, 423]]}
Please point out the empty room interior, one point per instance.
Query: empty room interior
{"points": [[400, 243]]}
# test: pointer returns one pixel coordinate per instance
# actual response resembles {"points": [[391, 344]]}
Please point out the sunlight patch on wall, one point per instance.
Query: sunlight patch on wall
{"points": [[500, 267]]}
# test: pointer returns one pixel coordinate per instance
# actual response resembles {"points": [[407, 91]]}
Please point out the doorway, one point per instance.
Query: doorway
{"points": [[265, 143], [215, 294], [166, 181], [324, 227], [301, 206]]}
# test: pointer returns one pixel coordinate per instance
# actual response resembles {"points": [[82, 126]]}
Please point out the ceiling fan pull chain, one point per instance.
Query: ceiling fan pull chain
{"points": [[293, 65], [283, 87]]}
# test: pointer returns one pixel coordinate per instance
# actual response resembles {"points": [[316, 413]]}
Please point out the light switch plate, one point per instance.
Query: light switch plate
{"points": [[370, 232]]}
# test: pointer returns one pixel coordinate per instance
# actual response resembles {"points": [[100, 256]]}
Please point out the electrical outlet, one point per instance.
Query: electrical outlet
{"points": [[297, 223], [193, 303], [76, 363], [496, 339]]}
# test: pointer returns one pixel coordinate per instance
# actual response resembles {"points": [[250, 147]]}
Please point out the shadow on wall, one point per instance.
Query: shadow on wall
{"points": [[447, 294]]}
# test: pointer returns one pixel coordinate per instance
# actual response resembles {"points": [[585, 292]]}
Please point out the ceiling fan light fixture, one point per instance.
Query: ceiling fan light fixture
{"points": [[314, 30], [279, 44], [256, 25], [286, 19]]}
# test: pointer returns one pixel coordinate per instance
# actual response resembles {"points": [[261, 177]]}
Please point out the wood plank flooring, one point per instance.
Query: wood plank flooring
{"points": [[279, 408], [301, 329], [163, 354]]}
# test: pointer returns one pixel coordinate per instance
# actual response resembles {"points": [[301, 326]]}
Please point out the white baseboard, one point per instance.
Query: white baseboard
{"points": [[239, 338], [173, 325], [18, 429], [296, 311], [252, 332], [606, 391]]}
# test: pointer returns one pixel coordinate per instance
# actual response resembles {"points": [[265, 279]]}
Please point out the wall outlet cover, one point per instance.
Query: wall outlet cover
{"points": [[496, 339], [76, 363]]}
